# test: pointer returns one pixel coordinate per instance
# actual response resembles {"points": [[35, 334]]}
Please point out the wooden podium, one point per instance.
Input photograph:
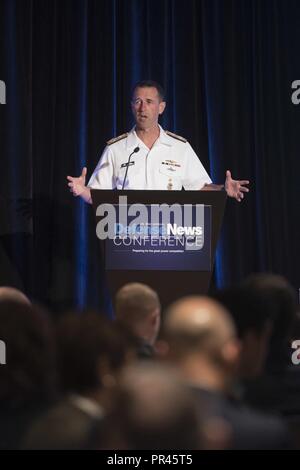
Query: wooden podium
{"points": [[170, 284]]}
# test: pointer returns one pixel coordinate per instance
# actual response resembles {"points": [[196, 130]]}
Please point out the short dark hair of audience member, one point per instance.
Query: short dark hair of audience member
{"points": [[28, 378], [90, 350], [10, 294], [29, 373], [153, 409], [253, 319], [281, 299], [90, 353], [137, 306]]}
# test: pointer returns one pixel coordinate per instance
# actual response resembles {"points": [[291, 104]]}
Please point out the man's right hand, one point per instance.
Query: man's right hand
{"points": [[77, 186]]}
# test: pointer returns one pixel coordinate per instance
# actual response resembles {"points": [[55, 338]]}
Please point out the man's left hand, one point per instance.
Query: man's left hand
{"points": [[235, 188]]}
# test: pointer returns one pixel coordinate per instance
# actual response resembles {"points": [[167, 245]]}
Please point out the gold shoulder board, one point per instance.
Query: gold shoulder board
{"points": [[175, 136], [116, 139]]}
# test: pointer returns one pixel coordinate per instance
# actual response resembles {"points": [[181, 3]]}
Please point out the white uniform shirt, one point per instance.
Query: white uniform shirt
{"points": [[170, 164]]}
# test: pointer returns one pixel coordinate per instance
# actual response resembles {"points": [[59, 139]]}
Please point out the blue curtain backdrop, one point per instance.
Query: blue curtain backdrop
{"points": [[227, 67]]}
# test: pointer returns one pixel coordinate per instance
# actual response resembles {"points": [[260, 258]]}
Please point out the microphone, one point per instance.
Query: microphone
{"points": [[137, 149]]}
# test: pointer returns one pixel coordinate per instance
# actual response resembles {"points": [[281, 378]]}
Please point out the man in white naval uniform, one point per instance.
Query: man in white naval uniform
{"points": [[155, 159]]}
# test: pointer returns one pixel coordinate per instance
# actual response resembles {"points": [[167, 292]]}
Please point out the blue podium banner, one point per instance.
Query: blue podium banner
{"points": [[180, 242]]}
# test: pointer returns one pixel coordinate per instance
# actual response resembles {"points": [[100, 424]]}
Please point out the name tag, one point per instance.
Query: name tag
{"points": [[124, 165], [171, 163]]}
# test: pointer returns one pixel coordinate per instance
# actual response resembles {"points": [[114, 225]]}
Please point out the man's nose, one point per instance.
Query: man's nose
{"points": [[142, 105]]}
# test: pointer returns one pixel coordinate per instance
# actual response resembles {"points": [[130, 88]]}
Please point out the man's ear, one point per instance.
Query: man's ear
{"points": [[231, 351], [162, 106], [155, 316]]}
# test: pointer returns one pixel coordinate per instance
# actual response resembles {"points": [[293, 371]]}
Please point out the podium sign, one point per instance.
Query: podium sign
{"points": [[156, 245], [166, 239]]}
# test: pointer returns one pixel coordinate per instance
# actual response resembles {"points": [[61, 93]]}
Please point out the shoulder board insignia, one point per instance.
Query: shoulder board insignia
{"points": [[116, 139], [175, 136]]}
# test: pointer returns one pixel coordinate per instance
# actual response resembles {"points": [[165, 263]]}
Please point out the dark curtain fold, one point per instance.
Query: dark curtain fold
{"points": [[69, 68]]}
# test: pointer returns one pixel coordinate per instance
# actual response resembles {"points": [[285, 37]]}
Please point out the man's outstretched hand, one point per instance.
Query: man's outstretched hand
{"points": [[235, 188], [77, 185], [78, 188]]}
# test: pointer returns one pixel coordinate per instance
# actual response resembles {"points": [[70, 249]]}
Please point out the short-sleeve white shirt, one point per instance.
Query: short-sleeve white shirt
{"points": [[170, 164]]}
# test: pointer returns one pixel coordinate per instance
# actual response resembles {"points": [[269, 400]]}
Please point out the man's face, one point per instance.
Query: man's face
{"points": [[146, 107]]}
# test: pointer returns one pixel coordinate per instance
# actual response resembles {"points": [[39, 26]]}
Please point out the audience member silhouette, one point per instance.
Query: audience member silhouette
{"points": [[203, 345], [138, 309]]}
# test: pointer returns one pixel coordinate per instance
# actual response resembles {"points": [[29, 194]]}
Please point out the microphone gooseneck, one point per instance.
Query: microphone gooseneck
{"points": [[137, 149]]}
